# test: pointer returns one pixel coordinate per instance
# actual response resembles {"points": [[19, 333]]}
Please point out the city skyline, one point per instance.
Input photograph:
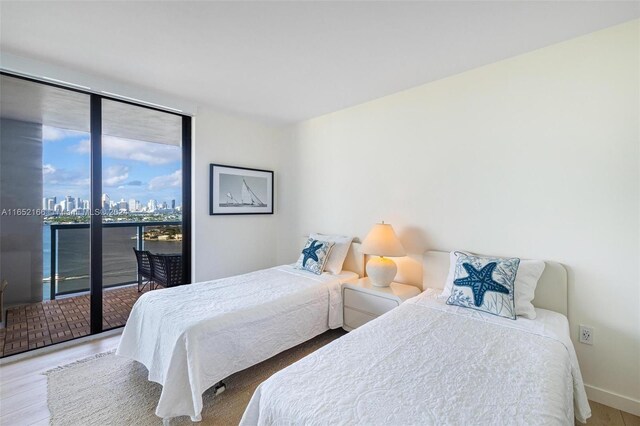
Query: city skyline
{"points": [[131, 169], [71, 204]]}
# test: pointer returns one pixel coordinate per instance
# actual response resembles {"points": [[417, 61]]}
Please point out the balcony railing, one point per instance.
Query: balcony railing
{"points": [[69, 256]]}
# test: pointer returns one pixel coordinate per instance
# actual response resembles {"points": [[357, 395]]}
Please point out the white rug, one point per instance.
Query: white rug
{"points": [[109, 390]]}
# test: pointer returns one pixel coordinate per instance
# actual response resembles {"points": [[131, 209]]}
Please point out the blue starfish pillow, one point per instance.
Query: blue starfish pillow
{"points": [[314, 255], [485, 284]]}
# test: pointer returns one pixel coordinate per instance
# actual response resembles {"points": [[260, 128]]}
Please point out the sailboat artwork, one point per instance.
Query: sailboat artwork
{"points": [[239, 190], [247, 198]]}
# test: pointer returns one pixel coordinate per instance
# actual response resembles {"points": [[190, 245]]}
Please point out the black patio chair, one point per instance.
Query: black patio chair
{"points": [[167, 269], [145, 269]]}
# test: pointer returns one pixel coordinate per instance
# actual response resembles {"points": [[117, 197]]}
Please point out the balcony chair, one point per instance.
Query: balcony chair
{"points": [[167, 269], [145, 269]]}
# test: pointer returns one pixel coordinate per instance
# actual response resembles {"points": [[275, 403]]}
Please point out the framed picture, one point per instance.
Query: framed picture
{"points": [[238, 190]]}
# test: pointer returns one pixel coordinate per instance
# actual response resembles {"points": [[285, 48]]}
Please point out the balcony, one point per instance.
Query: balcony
{"points": [[66, 246], [40, 324], [64, 312]]}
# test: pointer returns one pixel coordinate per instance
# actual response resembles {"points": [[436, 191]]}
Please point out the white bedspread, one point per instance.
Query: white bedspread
{"points": [[193, 336], [429, 363]]}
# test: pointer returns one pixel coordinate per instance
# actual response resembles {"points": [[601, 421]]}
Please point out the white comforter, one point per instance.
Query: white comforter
{"points": [[191, 337], [429, 363]]}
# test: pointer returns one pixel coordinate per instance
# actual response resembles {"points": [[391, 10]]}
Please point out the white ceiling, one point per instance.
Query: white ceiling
{"points": [[286, 61]]}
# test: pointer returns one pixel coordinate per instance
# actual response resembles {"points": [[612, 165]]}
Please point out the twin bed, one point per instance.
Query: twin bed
{"points": [[192, 337], [427, 362], [424, 362]]}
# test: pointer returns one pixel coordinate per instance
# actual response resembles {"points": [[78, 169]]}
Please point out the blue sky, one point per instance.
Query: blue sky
{"points": [[130, 169]]}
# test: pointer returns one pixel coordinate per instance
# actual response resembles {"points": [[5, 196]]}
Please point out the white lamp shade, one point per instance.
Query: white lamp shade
{"points": [[382, 241]]}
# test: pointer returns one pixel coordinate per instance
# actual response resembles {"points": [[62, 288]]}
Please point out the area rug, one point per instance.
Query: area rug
{"points": [[109, 390]]}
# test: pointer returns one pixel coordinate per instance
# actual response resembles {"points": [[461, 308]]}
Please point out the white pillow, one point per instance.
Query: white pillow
{"points": [[338, 253], [527, 277]]}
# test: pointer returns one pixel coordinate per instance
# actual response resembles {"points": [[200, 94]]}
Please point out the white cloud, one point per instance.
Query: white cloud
{"points": [[153, 154], [55, 176], [168, 181], [83, 147], [54, 133], [48, 169], [115, 175]]}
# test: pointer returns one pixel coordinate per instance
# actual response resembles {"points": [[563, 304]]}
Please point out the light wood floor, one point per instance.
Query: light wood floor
{"points": [[23, 388]]}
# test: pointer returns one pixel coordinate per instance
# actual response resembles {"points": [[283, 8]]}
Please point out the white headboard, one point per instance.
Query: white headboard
{"points": [[354, 262], [551, 292]]}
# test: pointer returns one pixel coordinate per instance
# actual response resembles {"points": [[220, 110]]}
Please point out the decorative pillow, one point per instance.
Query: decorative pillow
{"points": [[529, 273], [338, 253], [485, 284], [314, 255]]}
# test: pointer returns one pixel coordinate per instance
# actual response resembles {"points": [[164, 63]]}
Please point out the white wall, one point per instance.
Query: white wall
{"points": [[536, 156], [230, 245]]}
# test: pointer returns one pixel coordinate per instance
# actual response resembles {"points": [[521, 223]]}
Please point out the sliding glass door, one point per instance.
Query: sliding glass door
{"points": [[141, 202], [44, 238], [84, 180]]}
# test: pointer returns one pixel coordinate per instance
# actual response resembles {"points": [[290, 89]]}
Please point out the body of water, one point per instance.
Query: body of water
{"points": [[118, 260]]}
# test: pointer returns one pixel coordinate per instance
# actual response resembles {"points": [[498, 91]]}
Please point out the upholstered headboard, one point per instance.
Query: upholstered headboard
{"points": [[551, 292], [354, 262]]}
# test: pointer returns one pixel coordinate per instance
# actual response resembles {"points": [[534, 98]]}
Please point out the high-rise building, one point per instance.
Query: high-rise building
{"points": [[152, 206], [69, 203], [51, 204], [122, 205], [45, 203], [133, 205], [106, 202]]}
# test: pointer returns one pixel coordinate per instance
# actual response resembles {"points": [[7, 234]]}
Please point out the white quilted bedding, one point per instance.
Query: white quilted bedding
{"points": [[429, 363], [191, 337]]}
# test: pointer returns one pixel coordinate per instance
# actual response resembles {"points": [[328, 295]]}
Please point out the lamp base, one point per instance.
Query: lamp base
{"points": [[381, 271]]}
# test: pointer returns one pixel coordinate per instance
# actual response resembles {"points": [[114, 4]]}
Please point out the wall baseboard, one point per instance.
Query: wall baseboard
{"points": [[612, 399]]}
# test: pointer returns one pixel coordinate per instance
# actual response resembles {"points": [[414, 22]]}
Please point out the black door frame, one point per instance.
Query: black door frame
{"points": [[95, 245], [95, 216]]}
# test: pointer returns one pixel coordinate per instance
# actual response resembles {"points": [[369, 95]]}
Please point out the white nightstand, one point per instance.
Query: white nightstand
{"points": [[364, 301]]}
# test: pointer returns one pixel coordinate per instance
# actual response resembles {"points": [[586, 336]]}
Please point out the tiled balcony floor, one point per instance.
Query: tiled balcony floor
{"points": [[40, 324]]}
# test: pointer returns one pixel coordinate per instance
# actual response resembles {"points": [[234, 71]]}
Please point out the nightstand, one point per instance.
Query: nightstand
{"points": [[364, 301]]}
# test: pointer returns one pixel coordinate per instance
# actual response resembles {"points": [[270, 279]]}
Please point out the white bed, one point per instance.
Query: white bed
{"points": [[191, 337], [426, 362]]}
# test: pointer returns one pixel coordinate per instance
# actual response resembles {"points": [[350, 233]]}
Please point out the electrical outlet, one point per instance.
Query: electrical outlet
{"points": [[586, 334]]}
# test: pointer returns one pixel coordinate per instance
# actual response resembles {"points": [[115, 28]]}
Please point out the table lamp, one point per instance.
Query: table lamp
{"points": [[380, 242]]}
